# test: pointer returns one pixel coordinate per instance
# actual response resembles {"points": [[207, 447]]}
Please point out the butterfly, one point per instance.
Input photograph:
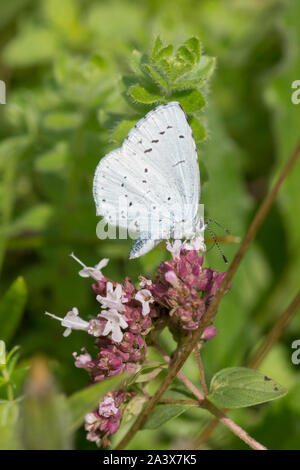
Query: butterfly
{"points": [[150, 186]]}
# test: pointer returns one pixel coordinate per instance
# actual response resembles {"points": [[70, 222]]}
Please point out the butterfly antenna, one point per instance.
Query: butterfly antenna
{"points": [[220, 225], [217, 244], [210, 248]]}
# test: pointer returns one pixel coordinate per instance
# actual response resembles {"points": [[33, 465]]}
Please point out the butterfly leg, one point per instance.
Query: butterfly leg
{"points": [[142, 245]]}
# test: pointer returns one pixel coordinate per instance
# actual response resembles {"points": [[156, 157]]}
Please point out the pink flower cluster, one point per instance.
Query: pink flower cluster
{"points": [[116, 357], [105, 421], [178, 298], [186, 289]]}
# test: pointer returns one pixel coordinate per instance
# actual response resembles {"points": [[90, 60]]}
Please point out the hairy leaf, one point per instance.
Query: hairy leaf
{"points": [[140, 94], [237, 387], [163, 413], [192, 101]]}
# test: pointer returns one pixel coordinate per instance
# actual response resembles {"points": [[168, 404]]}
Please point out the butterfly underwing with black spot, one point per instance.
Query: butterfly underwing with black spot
{"points": [[151, 184]]}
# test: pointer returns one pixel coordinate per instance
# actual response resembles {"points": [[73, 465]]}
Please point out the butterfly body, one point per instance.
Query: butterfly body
{"points": [[151, 185]]}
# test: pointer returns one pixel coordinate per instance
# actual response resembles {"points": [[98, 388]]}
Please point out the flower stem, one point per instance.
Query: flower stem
{"points": [[179, 402], [201, 370], [235, 428], [275, 333], [255, 362], [182, 356], [190, 386], [10, 391], [221, 417], [180, 375]]}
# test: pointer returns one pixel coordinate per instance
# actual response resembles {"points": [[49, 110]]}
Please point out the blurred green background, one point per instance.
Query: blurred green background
{"points": [[63, 62]]}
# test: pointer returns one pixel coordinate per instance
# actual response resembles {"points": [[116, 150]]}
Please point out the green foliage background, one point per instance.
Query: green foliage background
{"points": [[66, 64]]}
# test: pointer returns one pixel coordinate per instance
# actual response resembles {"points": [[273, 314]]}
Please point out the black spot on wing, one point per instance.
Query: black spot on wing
{"points": [[177, 163]]}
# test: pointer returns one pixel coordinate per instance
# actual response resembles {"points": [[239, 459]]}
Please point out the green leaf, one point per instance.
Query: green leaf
{"points": [[3, 381], [58, 121], [10, 10], [164, 52], [163, 413], [198, 129], [157, 45], [237, 387], [206, 67], [45, 422], [192, 101], [194, 45], [41, 42], [13, 147], [53, 160], [149, 372], [35, 219], [133, 408], [11, 308], [203, 173], [181, 391], [11, 150], [135, 61], [196, 77], [45, 415], [12, 362], [147, 376], [2, 353], [9, 413], [12, 353], [122, 129], [99, 61], [140, 94], [185, 55], [156, 76], [86, 400], [18, 377], [64, 16]]}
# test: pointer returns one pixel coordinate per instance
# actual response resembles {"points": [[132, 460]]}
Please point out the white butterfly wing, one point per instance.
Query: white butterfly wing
{"points": [[166, 137], [153, 176]]}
